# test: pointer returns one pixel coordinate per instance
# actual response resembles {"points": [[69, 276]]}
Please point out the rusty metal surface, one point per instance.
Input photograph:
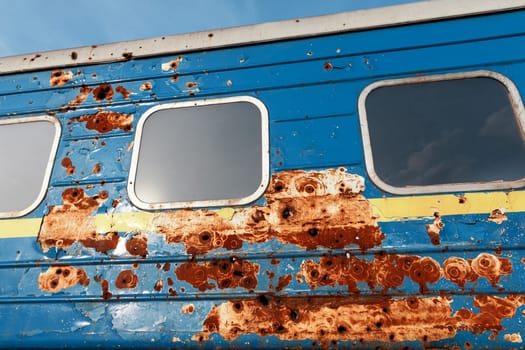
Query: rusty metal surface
{"points": [[315, 262]]}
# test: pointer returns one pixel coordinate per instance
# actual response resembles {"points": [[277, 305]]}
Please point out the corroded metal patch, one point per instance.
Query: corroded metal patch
{"points": [[227, 273], [60, 77], [308, 209], [104, 121], [57, 278], [73, 221], [365, 319], [388, 271]]}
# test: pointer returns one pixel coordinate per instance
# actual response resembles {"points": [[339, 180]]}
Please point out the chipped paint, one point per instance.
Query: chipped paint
{"points": [[227, 273], [83, 95], [104, 121], [171, 65], [68, 164], [513, 338], [308, 209], [60, 77], [57, 278], [434, 229], [188, 309], [498, 216], [147, 86]]}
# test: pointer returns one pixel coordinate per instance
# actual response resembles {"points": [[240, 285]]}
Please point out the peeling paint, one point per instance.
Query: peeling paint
{"points": [[308, 209], [60, 77], [57, 278], [84, 93], [513, 338], [104, 121]]}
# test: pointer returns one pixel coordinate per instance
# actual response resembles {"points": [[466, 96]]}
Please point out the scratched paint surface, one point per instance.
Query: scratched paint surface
{"points": [[315, 262]]}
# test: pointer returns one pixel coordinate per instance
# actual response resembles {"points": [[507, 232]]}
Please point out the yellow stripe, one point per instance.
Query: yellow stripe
{"points": [[17, 228], [386, 209], [399, 208]]}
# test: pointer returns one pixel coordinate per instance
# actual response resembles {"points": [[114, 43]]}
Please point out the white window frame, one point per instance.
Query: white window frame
{"points": [[265, 158], [515, 101], [49, 167]]}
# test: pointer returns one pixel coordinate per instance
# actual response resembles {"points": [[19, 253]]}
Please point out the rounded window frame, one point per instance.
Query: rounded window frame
{"points": [[49, 166], [515, 101], [265, 157]]}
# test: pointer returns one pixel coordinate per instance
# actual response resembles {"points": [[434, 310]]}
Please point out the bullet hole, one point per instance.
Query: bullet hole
{"points": [[58, 271], [204, 236], [127, 55], [238, 273], [280, 328], [237, 306], [379, 324], [258, 216], [103, 92], [210, 35], [225, 284], [391, 337], [278, 187], [263, 300], [314, 274], [313, 232], [287, 212], [462, 200], [425, 338], [322, 332], [74, 55], [294, 315], [341, 329]]}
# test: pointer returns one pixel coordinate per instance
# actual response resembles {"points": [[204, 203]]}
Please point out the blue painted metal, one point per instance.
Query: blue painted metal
{"points": [[313, 125]]}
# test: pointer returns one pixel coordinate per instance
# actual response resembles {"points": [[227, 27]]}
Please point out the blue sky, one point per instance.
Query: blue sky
{"points": [[38, 25]]}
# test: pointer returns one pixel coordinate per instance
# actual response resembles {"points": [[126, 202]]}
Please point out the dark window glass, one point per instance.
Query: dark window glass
{"points": [[208, 152], [444, 132]]}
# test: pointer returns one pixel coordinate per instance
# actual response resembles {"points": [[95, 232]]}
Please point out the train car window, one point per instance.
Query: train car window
{"points": [[27, 151], [442, 133], [204, 153]]}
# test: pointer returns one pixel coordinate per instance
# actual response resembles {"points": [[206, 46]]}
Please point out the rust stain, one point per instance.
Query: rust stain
{"points": [[308, 209], [104, 286], [126, 279], [498, 216], [57, 278], [284, 281], [123, 91], [68, 164], [137, 246], [103, 92], [188, 309], [388, 271], [60, 77], [171, 65], [328, 66], [104, 121], [491, 267], [74, 221], [158, 285], [227, 273], [146, 86], [96, 168], [84, 93], [434, 229], [328, 319], [513, 338], [191, 84]]}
